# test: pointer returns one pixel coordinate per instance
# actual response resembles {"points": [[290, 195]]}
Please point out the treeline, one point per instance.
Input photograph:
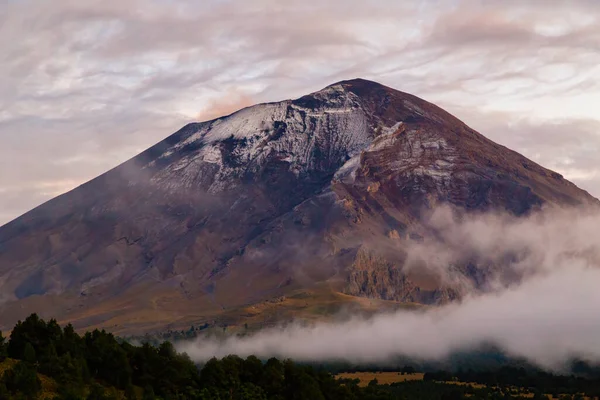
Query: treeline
{"points": [[83, 366], [98, 366], [86, 366], [194, 332]]}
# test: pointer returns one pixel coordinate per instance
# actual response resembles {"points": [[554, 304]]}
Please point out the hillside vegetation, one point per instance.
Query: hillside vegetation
{"points": [[42, 360]]}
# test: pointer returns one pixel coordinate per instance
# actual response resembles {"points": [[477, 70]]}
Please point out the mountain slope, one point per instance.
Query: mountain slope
{"points": [[273, 198]]}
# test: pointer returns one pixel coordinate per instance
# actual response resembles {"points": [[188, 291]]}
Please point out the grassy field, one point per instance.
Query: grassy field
{"points": [[383, 378], [303, 306], [165, 310]]}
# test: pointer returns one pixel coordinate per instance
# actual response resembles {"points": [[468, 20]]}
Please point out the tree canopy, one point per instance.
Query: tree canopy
{"points": [[99, 366]]}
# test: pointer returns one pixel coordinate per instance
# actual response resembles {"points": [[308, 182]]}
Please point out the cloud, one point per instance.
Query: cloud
{"points": [[547, 321], [508, 248], [549, 318], [103, 79], [230, 103]]}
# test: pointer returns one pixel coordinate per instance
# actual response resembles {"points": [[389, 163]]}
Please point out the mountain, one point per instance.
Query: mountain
{"points": [[307, 199]]}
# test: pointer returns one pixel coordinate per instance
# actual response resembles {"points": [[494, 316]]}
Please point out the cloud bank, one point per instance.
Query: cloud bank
{"points": [[507, 249], [548, 316]]}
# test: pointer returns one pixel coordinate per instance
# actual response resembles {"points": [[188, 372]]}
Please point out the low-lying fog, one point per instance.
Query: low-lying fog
{"points": [[548, 315]]}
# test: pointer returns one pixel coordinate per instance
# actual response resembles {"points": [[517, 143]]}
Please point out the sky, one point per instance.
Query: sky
{"points": [[85, 85]]}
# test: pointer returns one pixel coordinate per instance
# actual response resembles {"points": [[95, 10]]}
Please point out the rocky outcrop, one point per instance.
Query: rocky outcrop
{"points": [[373, 276]]}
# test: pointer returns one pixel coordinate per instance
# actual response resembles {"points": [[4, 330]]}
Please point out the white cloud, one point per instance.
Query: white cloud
{"points": [[549, 318]]}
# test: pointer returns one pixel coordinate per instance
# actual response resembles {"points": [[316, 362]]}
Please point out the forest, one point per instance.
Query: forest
{"points": [[42, 360]]}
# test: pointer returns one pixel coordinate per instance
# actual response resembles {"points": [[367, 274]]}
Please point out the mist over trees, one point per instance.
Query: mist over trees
{"points": [[99, 366]]}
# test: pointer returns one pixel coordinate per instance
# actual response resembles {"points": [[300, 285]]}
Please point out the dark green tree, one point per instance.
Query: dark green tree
{"points": [[2, 347], [106, 359], [29, 355], [70, 392], [4, 393], [148, 393], [49, 363], [34, 331], [70, 342], [249, 391], [213, 375], [130, 393], [252, 370], [300, 383], [97, 392], [22, 379], [273, 378], [454, 394], [408, 370]]}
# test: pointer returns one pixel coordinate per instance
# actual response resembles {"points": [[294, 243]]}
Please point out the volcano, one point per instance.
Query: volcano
{"points": [[301, 203]]}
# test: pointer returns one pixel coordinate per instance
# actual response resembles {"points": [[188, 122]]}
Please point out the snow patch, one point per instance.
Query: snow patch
{"points": [[247, 122], [347, 173], [211, 154], [413, 107], [392, 129], [308, 139]]}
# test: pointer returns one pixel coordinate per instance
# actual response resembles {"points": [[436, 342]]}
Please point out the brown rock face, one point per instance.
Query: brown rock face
{"points": [[373, 276], [275, 197]]}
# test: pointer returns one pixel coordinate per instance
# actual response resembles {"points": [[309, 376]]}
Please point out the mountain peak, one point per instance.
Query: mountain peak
{"points": [[273, 198], [359, 86], [363, 84], [357, 83]]}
